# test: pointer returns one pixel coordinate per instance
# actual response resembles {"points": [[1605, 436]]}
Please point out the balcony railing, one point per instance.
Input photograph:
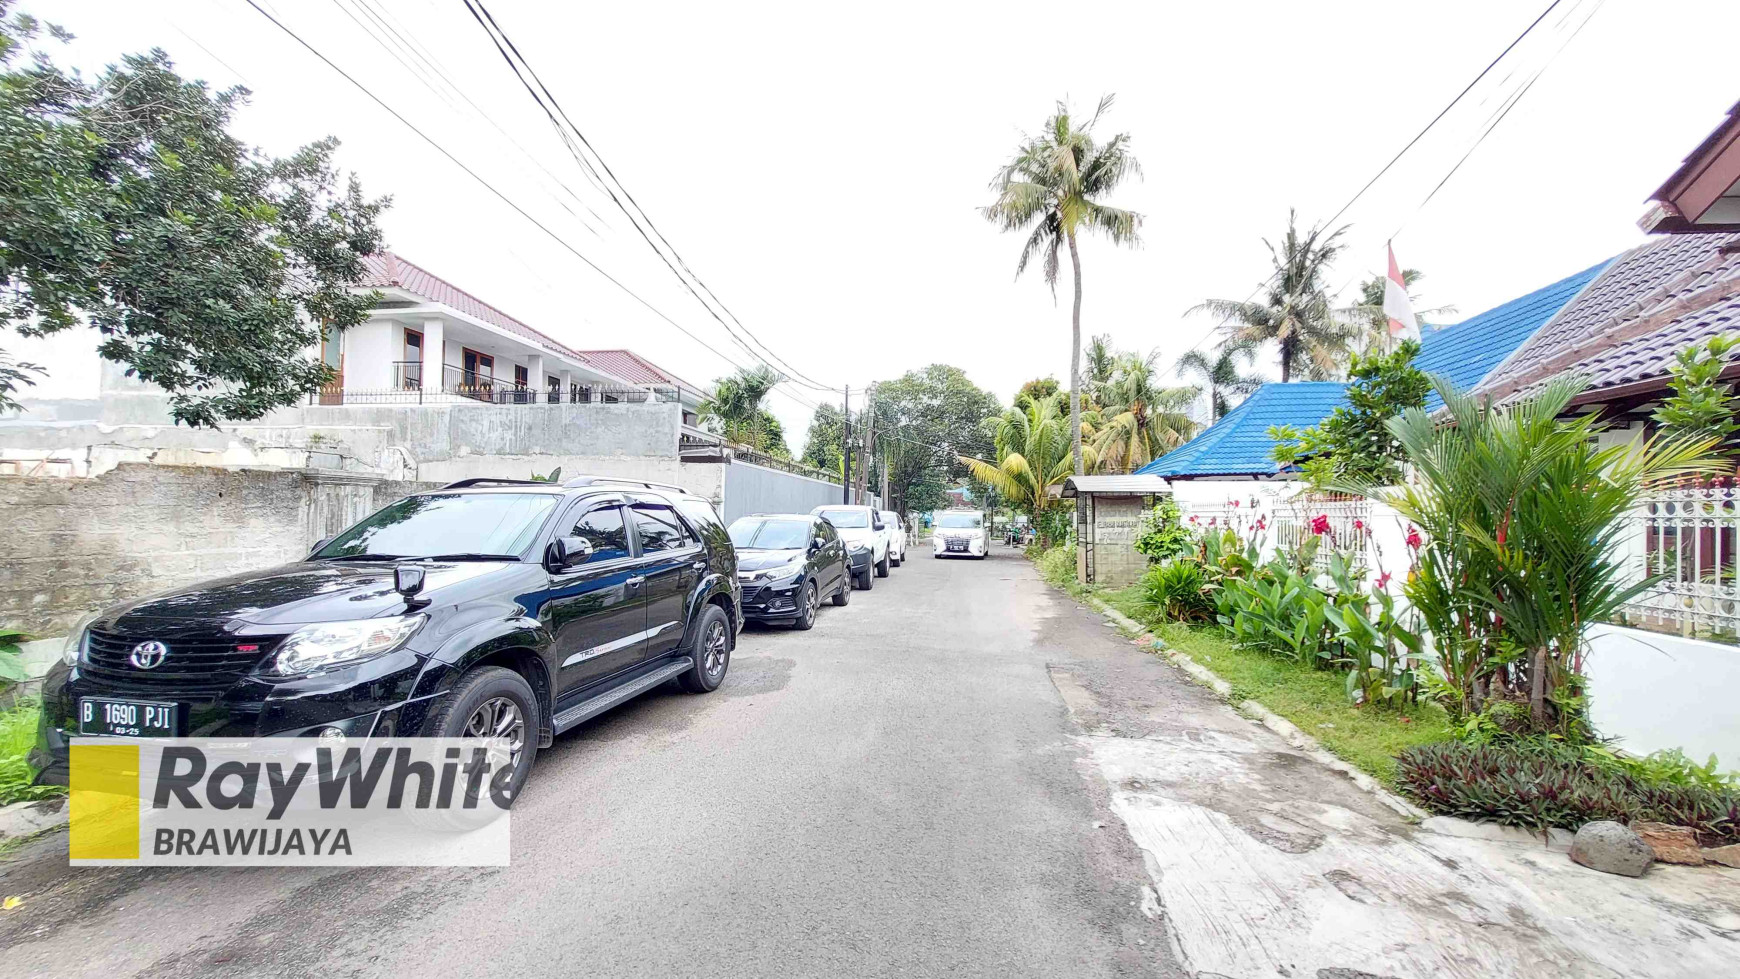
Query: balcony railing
{"points": [[459, 385]]}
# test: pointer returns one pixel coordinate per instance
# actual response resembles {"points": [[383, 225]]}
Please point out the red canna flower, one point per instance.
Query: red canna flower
{"points": [[1414, 538], [1320, 524], [1383, 580]]}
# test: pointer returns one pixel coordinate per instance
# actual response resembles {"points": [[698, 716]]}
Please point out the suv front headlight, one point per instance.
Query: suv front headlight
{"points": [[75, 640], [328, 645]]}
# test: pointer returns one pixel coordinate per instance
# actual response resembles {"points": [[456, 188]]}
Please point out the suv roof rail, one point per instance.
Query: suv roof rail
{"points": [[592, 480], [494, 481]]}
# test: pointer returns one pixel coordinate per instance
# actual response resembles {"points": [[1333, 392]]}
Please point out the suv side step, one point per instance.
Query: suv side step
{"points": [[588, 709]]}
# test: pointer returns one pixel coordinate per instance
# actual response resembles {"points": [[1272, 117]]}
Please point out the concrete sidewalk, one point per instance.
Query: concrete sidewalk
{"points": [[1265, 863]]}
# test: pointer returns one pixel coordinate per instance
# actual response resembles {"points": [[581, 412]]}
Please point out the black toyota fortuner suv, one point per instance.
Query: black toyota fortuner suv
{"points": [[486, 608]]}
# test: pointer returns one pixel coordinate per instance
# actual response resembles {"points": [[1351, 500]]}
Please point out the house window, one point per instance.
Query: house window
{"points": [[478, 380], [410, 366], [332, 355], [553, 385], [521, 377]]}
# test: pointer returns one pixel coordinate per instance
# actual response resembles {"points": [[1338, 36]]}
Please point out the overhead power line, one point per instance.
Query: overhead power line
{"points": [[473, 174], [1410, 145], [637, 216]]}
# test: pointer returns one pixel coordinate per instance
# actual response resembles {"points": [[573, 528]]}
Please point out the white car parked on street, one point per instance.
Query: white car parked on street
{"points": [[896, 537], [866, 540], [961, 533]]}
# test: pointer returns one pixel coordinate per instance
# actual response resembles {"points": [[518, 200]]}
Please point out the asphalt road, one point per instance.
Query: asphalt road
{"points": [[900, 791]]}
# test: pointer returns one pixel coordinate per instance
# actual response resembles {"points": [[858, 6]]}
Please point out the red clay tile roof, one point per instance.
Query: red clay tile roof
{"points": [[636, 369], [386, 270], [1627, 324]]}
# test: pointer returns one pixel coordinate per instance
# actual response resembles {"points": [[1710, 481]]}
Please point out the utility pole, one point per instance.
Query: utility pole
{"points": [[846, 449], [869, 437]]}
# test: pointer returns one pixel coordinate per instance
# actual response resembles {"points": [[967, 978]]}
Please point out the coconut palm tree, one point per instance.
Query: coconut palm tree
{"points": [[1140, 421], [1034, 453], [1102, 363], [1222, 376], [1295, 310], [1053, 185], [735, 410]]}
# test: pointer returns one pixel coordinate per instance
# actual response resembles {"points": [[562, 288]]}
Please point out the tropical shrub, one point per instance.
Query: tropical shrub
{"points": [[1177, 592], [1354, 443], [1702, 405], [17, 734], [1057, 565], [1161, 534], [11, 657], [1543, 782], [1521, 514]]}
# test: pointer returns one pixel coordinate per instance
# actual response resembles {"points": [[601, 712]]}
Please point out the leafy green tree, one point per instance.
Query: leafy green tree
{"points": [[1295, 311], [1355, 444], [735, 410], [827, 434], [924, 419], [1053, 185], [207, 268], [1702, 405], [1221, 375]]}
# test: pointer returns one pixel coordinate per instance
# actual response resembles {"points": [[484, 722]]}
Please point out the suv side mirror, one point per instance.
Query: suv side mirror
{"points": [[816, 544], [566, 552], [877, 524]]}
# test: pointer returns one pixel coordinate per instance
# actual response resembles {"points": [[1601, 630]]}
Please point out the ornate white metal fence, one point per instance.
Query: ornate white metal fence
{"points": [[1687, 535], [1343, 522]]}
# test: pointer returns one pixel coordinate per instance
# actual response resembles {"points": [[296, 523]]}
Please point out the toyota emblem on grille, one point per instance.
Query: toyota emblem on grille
{"points": [[148, 655]]}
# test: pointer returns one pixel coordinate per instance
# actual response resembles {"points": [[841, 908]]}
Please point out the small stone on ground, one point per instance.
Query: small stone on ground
{"points": [[1727, 856], [1611, 848], [1669, 843]]}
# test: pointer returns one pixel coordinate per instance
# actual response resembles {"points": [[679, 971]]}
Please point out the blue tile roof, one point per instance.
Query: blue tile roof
{"points": [[1466, 352], [1239, 443]]}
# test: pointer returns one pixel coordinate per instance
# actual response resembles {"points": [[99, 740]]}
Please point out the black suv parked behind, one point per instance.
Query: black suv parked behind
{"points": [[489, 607]]}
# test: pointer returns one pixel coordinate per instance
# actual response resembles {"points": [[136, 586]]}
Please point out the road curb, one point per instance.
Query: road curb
{"points": [[23, 819], [1312, 748]]}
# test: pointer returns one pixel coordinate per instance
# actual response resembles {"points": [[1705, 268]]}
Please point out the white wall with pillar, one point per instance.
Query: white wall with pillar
{"points": [[434, 352]]}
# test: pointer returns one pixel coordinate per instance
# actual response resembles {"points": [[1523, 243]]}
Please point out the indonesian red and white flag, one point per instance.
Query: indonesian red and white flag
{"points": [[1397, 306]]}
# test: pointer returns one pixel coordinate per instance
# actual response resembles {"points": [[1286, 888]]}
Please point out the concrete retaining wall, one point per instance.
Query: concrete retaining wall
{"points": [[75, 545], [428, 442]]}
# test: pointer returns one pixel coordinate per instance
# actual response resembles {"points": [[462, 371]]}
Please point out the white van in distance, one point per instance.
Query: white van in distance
{"points": [[961, 533]]}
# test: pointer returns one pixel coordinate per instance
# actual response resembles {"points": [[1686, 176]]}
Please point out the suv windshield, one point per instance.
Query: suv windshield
{"points": [[446, 523], [755, 532], [959, 521], [846, 518]]}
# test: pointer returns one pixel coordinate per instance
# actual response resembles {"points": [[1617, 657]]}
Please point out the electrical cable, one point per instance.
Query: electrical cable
{"points": [[499, 37], [486, 184]]}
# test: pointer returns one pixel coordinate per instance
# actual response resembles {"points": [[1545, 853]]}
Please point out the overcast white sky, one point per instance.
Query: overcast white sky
{"points": [[819, 165]]}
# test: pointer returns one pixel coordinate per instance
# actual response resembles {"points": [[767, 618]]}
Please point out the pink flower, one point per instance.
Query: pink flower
{"points": [[1414, 538], [1193, 518], [1383, 580], [1320, 524], [1359, 525], [1211, 521], [1233, 502], [1262, 523]]}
